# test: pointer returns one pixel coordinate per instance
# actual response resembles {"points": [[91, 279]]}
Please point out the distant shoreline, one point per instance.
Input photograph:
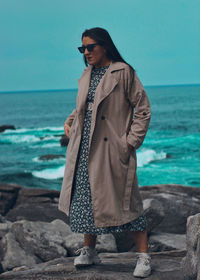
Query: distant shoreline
{"points": [[76, 89]]}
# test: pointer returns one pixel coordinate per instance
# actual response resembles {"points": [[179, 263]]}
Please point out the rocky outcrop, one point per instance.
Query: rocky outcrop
{"points": [[167, 241], [6, 126], [35, 238], [120, 266], [154, 211], [8, 197], [37, 242], [17, 203], [191, 263], [64, 140], [50, 157], [178, 202]]}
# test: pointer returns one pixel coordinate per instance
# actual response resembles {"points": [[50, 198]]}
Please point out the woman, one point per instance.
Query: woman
{"points": [[100, 187]]}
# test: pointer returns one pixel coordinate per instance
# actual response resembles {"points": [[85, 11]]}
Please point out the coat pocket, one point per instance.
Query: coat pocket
{"points": [[125, 149]]}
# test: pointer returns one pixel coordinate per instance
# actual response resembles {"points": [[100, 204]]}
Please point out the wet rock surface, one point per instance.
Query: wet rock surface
{"points": [[118, 266]]}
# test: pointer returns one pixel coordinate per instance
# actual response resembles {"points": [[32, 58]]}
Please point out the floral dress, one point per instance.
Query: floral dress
{"points": [[81, 217]]}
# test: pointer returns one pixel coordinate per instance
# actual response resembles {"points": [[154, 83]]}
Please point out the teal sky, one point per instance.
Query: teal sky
{"points": [[39, 40]]}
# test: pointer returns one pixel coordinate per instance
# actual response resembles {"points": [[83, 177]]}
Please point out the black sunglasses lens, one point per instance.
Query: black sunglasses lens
{"points": [[81, 49], [90, 47]]}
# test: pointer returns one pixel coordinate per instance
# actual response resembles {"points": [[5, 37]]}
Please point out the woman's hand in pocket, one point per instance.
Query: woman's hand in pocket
{"points": [[66, 129], [129, 146]]}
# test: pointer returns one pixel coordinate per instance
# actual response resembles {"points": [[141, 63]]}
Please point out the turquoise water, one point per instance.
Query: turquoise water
{"points": [[169, 154]]}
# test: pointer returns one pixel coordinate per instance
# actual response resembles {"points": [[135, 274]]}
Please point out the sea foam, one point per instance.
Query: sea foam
{"points": [[28, 130], [50, 173], [146, 156]]}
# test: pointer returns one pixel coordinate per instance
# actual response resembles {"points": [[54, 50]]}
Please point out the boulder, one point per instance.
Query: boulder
{"points": [[42, 242], [6, 126], [124, 241], [166, 242], [2, 219], [191, 262], [35, 242], [154, 212], [47, 136], [178, 202], [4, 228], [8, 196], [64, 140], [14, 255], [36, 205], [75, 241], [50, 157]]}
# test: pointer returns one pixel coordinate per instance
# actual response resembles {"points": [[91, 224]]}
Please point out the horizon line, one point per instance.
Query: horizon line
{"points": [[72, 89]]}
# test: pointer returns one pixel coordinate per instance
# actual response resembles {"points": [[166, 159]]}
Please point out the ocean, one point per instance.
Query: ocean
{"points": [[170, 152]]}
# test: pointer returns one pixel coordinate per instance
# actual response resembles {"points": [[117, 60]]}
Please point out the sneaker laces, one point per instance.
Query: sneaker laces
{"points": [[83, 250], [145, 259]]}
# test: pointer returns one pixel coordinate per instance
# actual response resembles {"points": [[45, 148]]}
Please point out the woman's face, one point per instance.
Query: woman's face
{"points": [[97, 56]]}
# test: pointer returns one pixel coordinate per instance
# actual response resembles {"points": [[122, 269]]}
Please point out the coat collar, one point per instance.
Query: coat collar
{"points": [[114, 66]]}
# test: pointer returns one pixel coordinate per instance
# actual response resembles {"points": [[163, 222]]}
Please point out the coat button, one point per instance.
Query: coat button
{"points": [[144, 113], [103, 117], [105, 138]]}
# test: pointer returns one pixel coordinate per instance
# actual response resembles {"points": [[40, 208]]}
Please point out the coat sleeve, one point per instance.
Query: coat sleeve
{"points": [[138, 99], [70, 118]]}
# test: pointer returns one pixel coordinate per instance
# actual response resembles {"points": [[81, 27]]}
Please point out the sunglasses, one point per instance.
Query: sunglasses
{"points": [[89, 47]]}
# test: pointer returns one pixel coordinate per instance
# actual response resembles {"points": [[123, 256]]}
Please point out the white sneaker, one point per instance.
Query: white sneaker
{"points": [[88, 256], [143, 266]]}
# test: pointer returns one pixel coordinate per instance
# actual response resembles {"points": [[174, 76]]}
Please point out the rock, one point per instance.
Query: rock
{"points": [[178, 203], [8, 196], [166, 242], [39, 241], [34, 193], [4, 228], [120, 266], [106, 243], [44, 212], [43, 203], [50, 157], [2, 219], [6, 126], [14, 255], [47, 136], [124, 241], [64, 140], [63, 228], [43, 242], [154, 212], [75, 241], [191, 262]]}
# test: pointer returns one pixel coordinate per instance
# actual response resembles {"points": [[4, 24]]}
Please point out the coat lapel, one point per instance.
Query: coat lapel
{"points": [[104, 88], [84, 83]]}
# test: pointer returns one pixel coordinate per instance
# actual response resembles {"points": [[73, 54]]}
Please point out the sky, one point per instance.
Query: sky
{"points": [[39, 40]]}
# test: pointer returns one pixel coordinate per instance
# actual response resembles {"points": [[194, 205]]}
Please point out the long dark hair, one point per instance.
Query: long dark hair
{"points": [[102, 37]]}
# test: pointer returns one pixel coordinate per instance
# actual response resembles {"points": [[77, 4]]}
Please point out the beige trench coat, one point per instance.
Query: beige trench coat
{"points": [[121, 115]]}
